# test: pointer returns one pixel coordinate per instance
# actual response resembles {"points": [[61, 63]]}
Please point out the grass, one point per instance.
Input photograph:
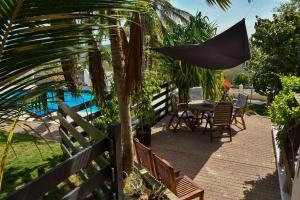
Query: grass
{"points": [[29, 161], [257, 109]]}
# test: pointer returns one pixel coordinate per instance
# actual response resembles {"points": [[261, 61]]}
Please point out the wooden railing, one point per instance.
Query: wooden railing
{"points": [[161, 102], [93, 156]]}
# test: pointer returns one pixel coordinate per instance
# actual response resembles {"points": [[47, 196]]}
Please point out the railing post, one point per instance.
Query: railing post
{"points": [[60, 97], [167, 98], [116, 160]]}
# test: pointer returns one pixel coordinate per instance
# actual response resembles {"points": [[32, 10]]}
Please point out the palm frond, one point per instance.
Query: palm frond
{"points": [[224, 4], [176, 14], [133, 61], [6, 150], [96, 71], [34, 36]]}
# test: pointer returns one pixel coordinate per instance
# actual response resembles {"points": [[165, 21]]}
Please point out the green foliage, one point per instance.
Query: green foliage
{"points": [[137, 188], [109, 111], [33, 36], [30, 161], [242, 78], [291, 83], [143, 109], [184, 75], [275, 48], [284, 110], [267, 83]]}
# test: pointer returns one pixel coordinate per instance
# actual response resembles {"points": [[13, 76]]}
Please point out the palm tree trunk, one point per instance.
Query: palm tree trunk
{"points": [[118, 63]]}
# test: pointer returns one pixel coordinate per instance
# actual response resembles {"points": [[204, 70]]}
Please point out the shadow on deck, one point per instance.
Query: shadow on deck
{"points": [[242, 169]]}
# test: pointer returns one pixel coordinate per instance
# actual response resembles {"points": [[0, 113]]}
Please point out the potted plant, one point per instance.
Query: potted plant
{"points": [[109, 111], [143, 109]]}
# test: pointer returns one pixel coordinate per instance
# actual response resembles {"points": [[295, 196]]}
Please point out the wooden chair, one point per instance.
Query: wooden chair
{"points": [[144, 156], [221, 119], [182, 186], [180, 113], [239, 109]]}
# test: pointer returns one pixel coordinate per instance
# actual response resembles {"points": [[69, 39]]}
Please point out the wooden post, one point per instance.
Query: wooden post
{"points": [[116, 161], [167, 97], [60, 97]]}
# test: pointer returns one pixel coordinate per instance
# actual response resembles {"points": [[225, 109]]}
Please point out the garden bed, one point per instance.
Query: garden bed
{"points": [[142, 185]]}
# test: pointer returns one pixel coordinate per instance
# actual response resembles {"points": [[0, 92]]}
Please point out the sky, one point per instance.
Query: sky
{"points": [[238, 10]]}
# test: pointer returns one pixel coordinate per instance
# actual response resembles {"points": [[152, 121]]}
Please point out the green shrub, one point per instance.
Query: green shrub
{"points": [[141, 101], [109, 111], [284, 110], [242, 78]]}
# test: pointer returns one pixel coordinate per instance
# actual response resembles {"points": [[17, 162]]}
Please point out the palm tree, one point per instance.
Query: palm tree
{"points": [[35, 38], [156, 23], [120, 52], [32, 36]]}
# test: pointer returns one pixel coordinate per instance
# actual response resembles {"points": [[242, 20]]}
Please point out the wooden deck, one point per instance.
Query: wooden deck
{"points": [[242, 169]]}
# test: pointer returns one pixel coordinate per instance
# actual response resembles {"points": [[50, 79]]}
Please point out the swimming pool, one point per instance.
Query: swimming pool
{"points": [[69, 100]]}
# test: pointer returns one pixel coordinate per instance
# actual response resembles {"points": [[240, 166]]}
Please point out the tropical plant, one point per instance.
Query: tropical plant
{"points": [[109, 110], [143, 109], [184, 75], [32, 36], [36, 39]]}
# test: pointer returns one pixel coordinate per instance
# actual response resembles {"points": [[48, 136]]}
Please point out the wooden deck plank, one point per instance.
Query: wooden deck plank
{"points": [[242, 169]]}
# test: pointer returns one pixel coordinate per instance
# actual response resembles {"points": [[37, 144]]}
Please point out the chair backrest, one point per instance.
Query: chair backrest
{"points": [[196, 93], [223, 113], [241, 100], [165, 173], [144, 156], [174, 103]]}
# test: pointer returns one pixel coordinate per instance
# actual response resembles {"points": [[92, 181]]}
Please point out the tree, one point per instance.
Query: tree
{"points": [[275, 48], [242, 78]]}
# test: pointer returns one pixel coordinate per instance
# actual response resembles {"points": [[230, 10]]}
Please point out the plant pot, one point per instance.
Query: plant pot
{"points": [[144, 135]]}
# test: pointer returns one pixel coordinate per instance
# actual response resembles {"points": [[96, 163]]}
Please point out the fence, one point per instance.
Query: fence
{"points": [[95, 157], [161, 102], [92, 155]]}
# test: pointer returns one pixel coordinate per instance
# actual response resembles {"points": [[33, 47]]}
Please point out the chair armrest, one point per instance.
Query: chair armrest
{"points": [[177, 173]]}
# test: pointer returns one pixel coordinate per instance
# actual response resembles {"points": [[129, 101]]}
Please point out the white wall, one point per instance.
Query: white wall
{"points": [[296, 183]]}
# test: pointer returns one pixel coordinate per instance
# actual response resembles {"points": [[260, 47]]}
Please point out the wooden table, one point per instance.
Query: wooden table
{"points": [[200, 107]]}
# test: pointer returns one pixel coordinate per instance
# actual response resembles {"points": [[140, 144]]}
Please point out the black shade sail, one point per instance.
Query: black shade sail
{"points": [[226, 50]]}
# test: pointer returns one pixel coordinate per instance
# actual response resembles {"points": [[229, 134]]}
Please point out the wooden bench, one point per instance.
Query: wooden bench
{"points": [[182, 186], [144, 156]]}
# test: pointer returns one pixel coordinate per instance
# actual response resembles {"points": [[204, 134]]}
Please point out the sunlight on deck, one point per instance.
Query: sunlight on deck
{"points": [[242, 169]]}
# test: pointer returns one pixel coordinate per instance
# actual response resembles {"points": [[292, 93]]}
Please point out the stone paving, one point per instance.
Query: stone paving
{"points": [[242, 169]]}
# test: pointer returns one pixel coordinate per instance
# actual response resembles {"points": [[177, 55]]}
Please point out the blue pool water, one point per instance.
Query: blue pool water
{"points": [[69, 100]]}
